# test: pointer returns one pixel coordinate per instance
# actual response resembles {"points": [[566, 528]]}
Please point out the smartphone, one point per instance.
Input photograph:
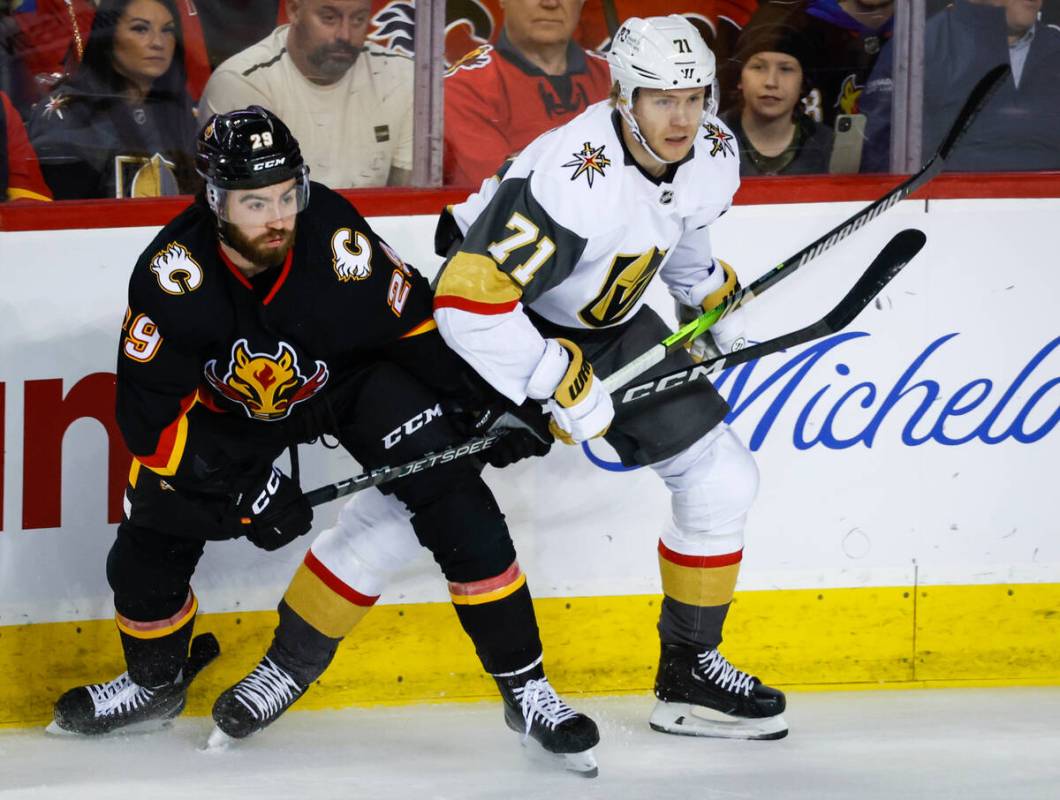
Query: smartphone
{"points": [[849, 138]]}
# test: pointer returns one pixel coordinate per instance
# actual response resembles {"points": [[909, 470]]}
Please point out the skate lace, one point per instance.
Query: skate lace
{"points": [[717, 668], [538, 700], [266, 690], [118, 696]]}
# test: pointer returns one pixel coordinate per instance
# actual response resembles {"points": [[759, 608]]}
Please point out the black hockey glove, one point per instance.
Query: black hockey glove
{"points": [[272, 514], [523, 430]]}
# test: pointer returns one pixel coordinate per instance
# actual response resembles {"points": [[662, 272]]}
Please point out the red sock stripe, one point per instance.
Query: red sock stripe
{"points": [[723, 560], [487, 585], [474, 306], [329, 579]]}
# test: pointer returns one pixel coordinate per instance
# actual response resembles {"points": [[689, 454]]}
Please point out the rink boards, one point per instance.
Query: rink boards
{"points": [[905, 531]]}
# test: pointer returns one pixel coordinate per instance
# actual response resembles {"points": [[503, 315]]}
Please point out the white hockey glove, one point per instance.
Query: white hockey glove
{"points": [[581, 408], [725, 336]]}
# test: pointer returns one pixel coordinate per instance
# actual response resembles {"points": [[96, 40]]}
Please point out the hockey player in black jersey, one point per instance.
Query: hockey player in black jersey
{"points": [[267, 314]]}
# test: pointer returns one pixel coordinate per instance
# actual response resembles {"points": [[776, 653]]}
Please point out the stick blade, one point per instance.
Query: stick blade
{"points": [[898, 252], [982, 92]]}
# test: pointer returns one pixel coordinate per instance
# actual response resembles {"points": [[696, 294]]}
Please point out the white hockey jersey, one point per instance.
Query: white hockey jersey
{"points": [[575, 230]]}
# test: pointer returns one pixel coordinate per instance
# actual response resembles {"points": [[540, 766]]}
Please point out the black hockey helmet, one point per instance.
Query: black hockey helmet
{"points": [[248, 149]]}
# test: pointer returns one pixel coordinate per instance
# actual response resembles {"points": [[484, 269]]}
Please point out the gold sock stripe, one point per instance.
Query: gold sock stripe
{"points": [[696, 581], [162, 627], [330, 612], [488, 590]]}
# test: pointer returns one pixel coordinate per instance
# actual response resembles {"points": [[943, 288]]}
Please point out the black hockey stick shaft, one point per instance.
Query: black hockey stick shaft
{"points": [[380, 475], [898, 252], [697, 327], [204, 649]]}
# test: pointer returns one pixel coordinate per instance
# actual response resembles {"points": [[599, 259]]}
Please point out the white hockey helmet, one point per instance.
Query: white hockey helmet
{"points": [[660, 53]]}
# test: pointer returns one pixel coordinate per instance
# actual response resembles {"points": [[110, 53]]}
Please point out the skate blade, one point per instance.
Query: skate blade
{"points": [[684, 719], [582, 764], [218, 742], [147, 726]]}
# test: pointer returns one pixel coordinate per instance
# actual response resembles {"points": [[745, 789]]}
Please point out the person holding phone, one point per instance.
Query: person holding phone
{"points": [[775, 133]]}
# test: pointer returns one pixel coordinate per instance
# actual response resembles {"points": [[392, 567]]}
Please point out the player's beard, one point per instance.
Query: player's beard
{"points": [[256, 250]]}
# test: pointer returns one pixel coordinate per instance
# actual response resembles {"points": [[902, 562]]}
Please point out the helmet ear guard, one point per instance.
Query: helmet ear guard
{"points": [[660, 53]]}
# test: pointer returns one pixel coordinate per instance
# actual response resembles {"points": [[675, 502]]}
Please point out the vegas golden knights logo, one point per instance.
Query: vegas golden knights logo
{"points": [[267, 386], [626, 282]]}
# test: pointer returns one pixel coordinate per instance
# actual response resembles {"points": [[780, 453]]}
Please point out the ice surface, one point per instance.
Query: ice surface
{"points": [[966, 744]]}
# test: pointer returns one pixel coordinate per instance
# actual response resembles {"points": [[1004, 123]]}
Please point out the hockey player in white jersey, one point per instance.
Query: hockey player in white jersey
{"points": [[543, 294]]}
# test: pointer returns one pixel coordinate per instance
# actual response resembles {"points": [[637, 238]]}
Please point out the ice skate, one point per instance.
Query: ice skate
{"points": [[124, 705], [701, 694], [253, 704], [533, 709]]}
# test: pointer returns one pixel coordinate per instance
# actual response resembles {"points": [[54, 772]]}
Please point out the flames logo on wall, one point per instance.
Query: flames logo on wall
{"points": [[266, 386]]}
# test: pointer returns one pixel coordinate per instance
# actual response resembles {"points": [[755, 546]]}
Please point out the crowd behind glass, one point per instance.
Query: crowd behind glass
{"points": [[103, 98]]}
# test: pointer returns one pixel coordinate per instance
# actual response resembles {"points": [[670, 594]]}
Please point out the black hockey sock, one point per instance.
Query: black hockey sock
{"points": [[299, 648], [156, 661], [504, 631]]}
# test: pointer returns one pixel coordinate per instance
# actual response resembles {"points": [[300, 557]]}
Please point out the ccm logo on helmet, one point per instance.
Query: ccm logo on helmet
{"points": [[272, 162]]}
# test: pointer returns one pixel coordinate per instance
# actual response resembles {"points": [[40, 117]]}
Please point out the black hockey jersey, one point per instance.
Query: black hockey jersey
{"points": [[213, 368]]}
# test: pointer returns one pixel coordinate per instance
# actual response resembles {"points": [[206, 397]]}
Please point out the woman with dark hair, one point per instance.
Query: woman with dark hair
{"points": [[122, 125], [775, 134]]}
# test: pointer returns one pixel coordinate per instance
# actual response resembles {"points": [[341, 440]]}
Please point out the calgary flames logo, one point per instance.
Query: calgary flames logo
{"points": [[476, 59], [266, 386], [849, 96]]}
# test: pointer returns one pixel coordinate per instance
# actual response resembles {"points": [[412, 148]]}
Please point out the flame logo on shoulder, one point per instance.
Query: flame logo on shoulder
{"points": [[267, 386], [176, 270]]}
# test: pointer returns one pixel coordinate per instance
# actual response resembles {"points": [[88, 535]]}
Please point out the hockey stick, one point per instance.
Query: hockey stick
{"points": [[978, 97], [374, 477], [204, 649], [895, 255], [898, 252]]}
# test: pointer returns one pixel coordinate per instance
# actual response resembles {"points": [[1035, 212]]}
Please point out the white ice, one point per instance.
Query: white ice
{"points": [[966, 744]]}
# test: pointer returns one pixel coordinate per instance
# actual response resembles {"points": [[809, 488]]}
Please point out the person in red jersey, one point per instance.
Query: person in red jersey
{"points": [[500, 98], [20, 177]]}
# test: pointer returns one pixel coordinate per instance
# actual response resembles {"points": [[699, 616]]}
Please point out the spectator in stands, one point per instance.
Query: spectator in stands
{"points": [[1018, 128], [348, 103], [843, 41], [122, 125], [20, 177], [498, 99], [775, 134], [49, 41]]}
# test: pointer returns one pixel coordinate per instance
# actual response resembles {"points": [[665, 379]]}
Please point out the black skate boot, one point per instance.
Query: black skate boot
{"points": [[126, 706], [254, 703], [532, 708], [692, 684]]}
